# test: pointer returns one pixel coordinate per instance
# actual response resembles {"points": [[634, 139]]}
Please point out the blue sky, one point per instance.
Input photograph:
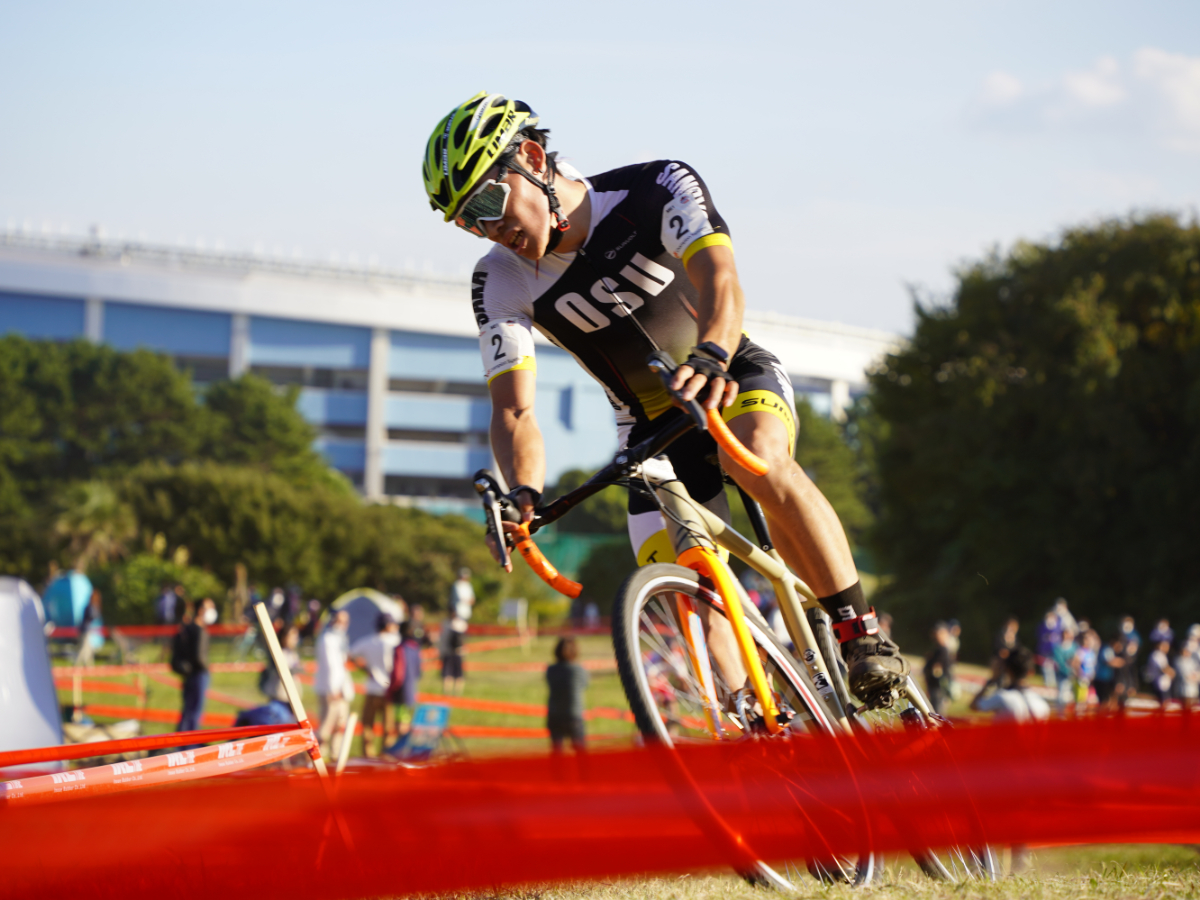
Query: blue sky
{"points": [[854, 150]]}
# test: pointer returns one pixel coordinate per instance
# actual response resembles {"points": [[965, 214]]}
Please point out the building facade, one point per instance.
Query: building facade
{"points": [[387, 363]]}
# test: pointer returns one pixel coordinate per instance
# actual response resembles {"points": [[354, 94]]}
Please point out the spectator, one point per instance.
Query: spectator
{"points": [[939, 669], [1162, 632], [416, 615], [1017, 703], [1065, 619], [1086, 658], [270, 682], [189, 658], [462, 596], [450, 645], [1064, 668], [333, 685], [564, 710], [1159, 674], [1002, 648], [1109, 664], [1187, 668], [90, 634], [1049, 634], [376, 653], [276, 605], [312, 616], [406, 676], [1127, 678], [166, 604]]}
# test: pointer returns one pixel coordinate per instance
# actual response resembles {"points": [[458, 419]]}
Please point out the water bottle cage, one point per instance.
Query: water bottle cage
{"points": [[862, 626]]}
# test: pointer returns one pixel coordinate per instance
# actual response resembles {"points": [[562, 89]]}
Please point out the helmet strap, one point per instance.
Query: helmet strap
{"points": [[561, 222]]}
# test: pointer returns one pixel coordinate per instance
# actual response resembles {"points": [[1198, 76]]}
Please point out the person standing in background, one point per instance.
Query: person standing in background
{"points": [[450, 644], [564, 710], [1049, 633], [166, 604], [376, 654], [189, 658], [90, 633], [1159, 672], [1109, 663], [462, 596], [333, 685], [271, 683], [939, 669], [1065, 619], [1086, 662], [1162, 632], [1064, 669], [1187, 669], [1002, 648], [406, 677], [1128, 676]]}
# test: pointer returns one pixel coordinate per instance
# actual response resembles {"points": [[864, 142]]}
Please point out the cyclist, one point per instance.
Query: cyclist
{"points": [[610, 268]]}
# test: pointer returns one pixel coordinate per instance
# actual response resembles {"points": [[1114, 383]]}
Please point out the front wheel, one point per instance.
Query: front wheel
{"points": [[671, 705]]}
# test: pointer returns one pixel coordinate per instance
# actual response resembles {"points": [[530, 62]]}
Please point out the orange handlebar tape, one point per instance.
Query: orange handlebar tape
{"points": [[735, 448], [543, 567]]}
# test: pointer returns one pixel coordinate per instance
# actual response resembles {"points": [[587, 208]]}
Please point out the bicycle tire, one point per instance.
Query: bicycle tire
{"points": [[950, 864], [635, 628]]}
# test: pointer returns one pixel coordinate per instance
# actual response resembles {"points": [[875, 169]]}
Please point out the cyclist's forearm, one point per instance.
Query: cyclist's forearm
{"points": [[518, 447], [721, 303]]}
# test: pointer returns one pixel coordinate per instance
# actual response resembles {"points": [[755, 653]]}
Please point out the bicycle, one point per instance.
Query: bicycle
{"points": [[671, 623]]}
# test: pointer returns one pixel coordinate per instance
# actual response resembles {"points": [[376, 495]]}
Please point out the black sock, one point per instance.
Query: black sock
{"points": [[847, 604]]}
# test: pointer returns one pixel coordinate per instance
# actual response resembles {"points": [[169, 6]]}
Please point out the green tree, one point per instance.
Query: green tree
{"points": [[1043, 434], [252, 423], [94, 523], [602, 513], [132, 586]]}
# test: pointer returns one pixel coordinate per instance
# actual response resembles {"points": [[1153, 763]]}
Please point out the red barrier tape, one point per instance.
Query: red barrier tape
{"points": [[502, 822], [183, 765], [134, 745]]}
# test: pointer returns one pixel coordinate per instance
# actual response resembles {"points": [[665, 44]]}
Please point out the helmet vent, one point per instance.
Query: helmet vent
{"points": [[490, 126], [460, 175], [460, 133]]}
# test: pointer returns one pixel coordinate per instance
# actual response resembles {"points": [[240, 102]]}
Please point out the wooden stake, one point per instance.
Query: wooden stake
{"points": [[289, 686]]}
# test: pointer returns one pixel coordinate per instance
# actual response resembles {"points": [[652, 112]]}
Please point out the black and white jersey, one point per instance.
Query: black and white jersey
{"points": [[647, 220]]}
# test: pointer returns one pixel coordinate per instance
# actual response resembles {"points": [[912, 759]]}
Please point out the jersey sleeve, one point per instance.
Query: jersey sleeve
{"points": [[690, 220], [504, 313]]}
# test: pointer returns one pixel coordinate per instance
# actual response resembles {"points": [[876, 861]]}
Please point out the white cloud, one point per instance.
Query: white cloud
{"points": [[1098, 87], [1002, 89], [1174, 81], [1155, 94]]}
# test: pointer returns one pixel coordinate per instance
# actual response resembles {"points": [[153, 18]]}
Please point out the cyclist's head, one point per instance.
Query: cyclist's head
{"points": [[1019, 664], [487, 170]]}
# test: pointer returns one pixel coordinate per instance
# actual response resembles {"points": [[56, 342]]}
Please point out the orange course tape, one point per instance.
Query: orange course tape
{"points": [[182, 765], [487, 824]]}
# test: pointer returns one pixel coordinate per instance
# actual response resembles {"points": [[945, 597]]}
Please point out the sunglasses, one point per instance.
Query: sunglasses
{"points": [[486, 204]]}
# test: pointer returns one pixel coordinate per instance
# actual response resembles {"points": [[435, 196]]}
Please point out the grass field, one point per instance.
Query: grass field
{"points": [[1149, 871]]}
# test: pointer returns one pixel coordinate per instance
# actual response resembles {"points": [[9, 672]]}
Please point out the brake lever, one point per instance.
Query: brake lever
{"points": [[489, 492], [665, 367]]}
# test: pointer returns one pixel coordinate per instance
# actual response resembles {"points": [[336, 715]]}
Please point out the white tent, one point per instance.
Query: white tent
{"points": [[29, 711], [364, 606]]}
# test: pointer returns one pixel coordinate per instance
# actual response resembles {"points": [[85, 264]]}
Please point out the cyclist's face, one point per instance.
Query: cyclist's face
{"points": [[525, 226]]}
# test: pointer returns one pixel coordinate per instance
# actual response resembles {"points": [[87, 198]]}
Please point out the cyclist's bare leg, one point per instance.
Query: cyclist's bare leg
{"points": [[811, 540], [803, 525], [724, 647]]}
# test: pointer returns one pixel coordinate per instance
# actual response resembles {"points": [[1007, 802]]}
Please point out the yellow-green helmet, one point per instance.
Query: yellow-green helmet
{"points": [[466, 144]]}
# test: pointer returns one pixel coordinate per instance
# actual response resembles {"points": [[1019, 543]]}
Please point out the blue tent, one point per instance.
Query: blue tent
{"points": [[66, 599]]}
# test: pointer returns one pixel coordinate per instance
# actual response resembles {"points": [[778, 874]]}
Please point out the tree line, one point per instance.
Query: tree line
{"points": [[114, 462]]}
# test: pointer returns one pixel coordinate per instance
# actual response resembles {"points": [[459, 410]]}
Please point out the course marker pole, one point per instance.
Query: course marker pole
{"points": [[289, 686], [344, 747]]}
